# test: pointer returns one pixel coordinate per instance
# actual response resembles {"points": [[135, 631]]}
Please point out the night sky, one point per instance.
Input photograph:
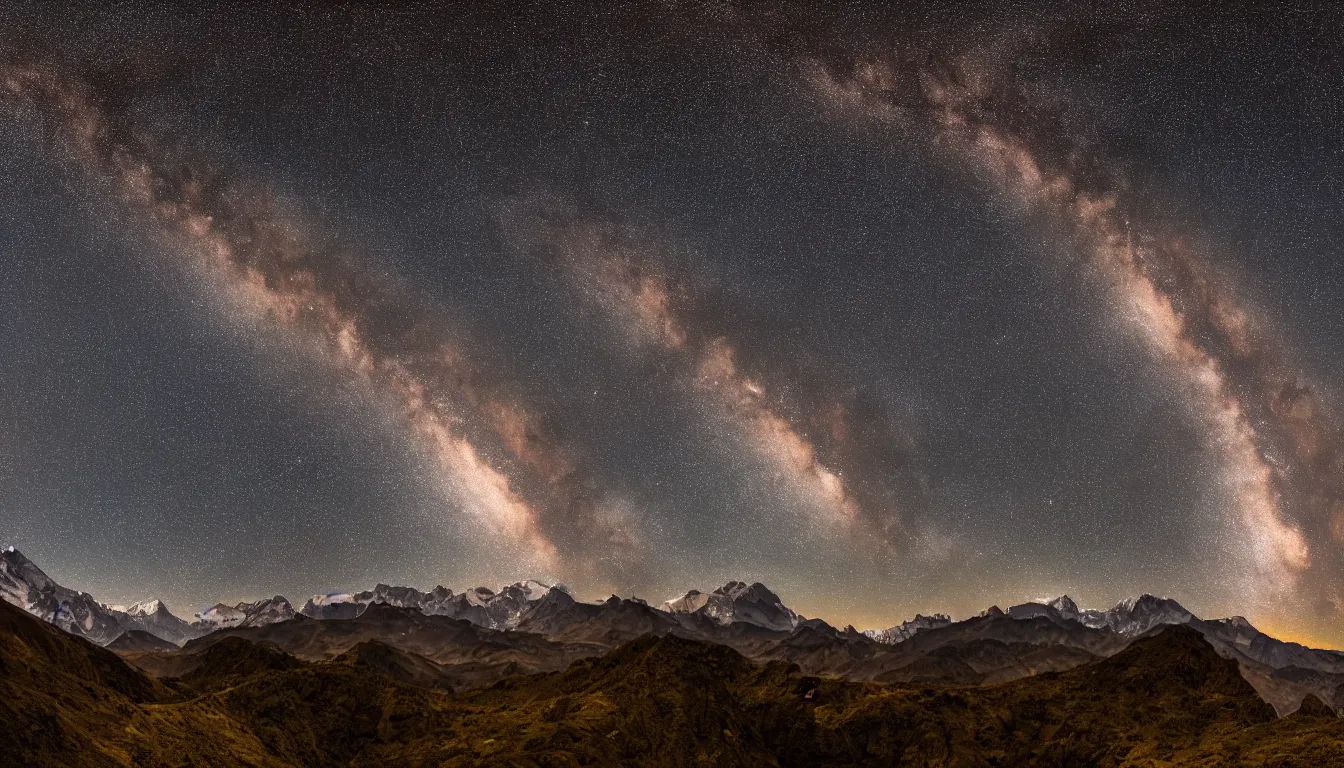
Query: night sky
{"points": [[894, 311]]}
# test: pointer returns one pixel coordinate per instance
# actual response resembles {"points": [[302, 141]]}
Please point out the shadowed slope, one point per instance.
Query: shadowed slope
{"points": [[1168, 699], [671, 701], [133, 640], [468, 655], [233, 659], [60, 695], [386, 660]]}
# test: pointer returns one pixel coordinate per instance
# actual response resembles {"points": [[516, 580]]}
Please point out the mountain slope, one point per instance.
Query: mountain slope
{"points": [[255, 614], [907, 629], [603, 625], [396, 664], [133, 640], [737, 601], [997, 646], [469, 654], [60, 695], [154, 618], [26, 586], [1167, 699]]}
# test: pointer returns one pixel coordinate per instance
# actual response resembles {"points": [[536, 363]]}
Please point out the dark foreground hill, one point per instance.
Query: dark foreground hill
{"points": [[138, 640], [1168, 699]]}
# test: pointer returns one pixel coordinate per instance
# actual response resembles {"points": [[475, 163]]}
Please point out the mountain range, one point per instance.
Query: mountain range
{"points": [[1167, 698], [467, 639]]}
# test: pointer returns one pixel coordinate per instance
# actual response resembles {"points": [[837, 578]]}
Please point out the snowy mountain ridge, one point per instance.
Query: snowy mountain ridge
{"points": [[25, 585], [908, 629], [737, 601], [1128, 618], [537, 607]]}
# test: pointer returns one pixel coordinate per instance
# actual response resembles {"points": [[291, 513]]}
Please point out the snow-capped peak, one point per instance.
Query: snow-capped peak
{"points": [[907, 629], [332, 598], [737, 601], [690, 602], [1065, 605], [531, 589], [220, 615], [1134, 617], [479, 596], [266, 611], [1129, 617], [27, 571], [526, 591], [146, 608]]}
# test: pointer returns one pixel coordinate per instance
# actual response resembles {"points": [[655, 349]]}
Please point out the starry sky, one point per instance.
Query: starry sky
{"points": [[895, 310]]}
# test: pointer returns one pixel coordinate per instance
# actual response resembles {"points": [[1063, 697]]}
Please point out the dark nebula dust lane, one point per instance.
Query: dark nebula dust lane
{"points": [[849, 476], [279, 270], [896, 310], [1278, 443]]}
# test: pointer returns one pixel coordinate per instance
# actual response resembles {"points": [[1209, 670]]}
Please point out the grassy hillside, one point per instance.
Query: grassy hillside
{"points": [[1166, 700]]}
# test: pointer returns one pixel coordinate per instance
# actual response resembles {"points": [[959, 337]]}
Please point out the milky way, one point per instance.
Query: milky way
{"points": [[1282, 464], [895, 308], [278, 269], [809, 444]]}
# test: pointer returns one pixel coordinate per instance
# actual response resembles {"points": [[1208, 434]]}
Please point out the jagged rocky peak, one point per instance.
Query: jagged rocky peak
{"points": [[1062, 607], [1237, 629], [1136, 616], [530, 589], [220, 615], [756, 592], [153, 616], [555, 601], [1148, 603], [505, 608], [147, 608], [908, 629], [402, 597], [737, 601], [437, 601], [1069, 609], [1130, 618], [1065, 605], [28, 587], [268, 610], [480, 605], [25, 570], [334, 605], [690, 602]]}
